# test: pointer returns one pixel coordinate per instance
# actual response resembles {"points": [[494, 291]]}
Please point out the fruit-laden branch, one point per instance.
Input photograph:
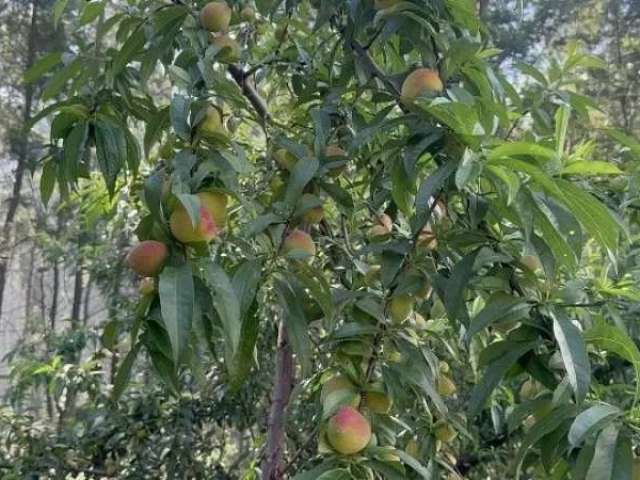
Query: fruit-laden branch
{"points": [[272, 464], [250, 92]]}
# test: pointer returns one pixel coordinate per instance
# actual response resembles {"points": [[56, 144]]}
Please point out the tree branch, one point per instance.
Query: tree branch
{"points": [[250, 92], [272, 468]]}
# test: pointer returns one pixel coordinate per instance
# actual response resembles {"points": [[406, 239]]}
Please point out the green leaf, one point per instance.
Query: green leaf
{"points": [[48, 180], [602, 465], [176, 303], [613, 340], [629, 142], [60, 79], [494, 373], [522, 149], [318, 287], [456, 286], [543, 427], [426, 192], [563, 114], [58, 10], [316, 471], [179, 114], [123, 374], [591, 420], [304, 170], [592, 214], [42, 66], [574, 354], [414, 464], [111, 150], [500, 307], [226, 303], [191, 204], [91, 11], [129, 50], [586, 168], [532, 72], [295, 321], [336, 474], [74, 147], [623, 462]]}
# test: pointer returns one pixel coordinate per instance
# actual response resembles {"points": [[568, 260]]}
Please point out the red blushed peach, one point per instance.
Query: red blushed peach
{"points": [[183, 229], [299, 240], [348, 431], [147, 258], [420, 82]]}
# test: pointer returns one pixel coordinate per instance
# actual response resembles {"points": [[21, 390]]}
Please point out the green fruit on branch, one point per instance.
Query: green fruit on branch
{"points": [[530, 389], [335, 153], [298, 240], [230, 49], [211, 125], [183, 229], [215, 17], [446, 387], [248, 14], [147, 286], [412, 448], [313, 215], [378, 402], [424, 290], [422, 81], [277, 186], [427, 239], [445, 433], [336, 383], [400, 307], [147, 258], [532, 262], [285, 159], [348, 431]]}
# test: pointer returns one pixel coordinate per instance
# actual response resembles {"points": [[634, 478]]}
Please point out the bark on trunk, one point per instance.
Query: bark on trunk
{"points": [[21, 158], [272, 464], [77, 296], [482, 7]]}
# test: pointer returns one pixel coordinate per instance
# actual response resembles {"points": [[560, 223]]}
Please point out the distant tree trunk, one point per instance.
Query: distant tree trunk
{"points": [[21, 159], [53, 311], [28, 305], [77, 296], [86, 311], [482, 8]]}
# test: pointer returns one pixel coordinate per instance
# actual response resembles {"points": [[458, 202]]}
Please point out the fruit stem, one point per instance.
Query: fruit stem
{"points": [[283, 384]]}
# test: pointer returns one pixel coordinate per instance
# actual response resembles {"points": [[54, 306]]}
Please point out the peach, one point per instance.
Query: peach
{"points": [[300, 241], [348, 431], [211, 124], [400, 307], [445, 386], [378, 402], [420, 82], [183, 229], [216, 204], [147, 258], [315, 214], [215, 16], [285, 159], [335, 384], [230, 49]]}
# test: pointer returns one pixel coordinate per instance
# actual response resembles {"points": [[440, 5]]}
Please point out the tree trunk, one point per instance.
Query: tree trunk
{"points": [[482, 8], [274, 450], [22, 153], [53, 311], [77, 296], [28, 304], [86, 311]]}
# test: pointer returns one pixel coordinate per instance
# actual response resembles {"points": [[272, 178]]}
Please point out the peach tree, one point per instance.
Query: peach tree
{"points": [[358, 183]]}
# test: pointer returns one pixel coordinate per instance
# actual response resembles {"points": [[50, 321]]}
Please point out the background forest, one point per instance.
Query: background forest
{"points": [[69, 302]]}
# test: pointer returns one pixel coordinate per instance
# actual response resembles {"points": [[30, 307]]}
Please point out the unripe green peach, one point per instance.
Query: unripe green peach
{"points": [[445, 386], [400, 307], [216, 204], [230, 49], [285, 159], [299, 240], [348, 431], [412, 448], [445, 433], [382, 4], [532, 262], [313, 215], [419, 322], [215, 16], [335, 384], [420, 82], [147, 258], [378, 402], [424, 290], [530, 389], [277, 186], [183, 229], [211, 125], [147, 286], [248, 14]]}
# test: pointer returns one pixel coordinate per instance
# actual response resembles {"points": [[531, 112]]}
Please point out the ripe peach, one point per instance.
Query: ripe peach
{"points": [[299, 240], [215, 16], [183, 229], [420, 82], [348, 431], [216, 204], [147, 258], [335, 384], [248, 14]]}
